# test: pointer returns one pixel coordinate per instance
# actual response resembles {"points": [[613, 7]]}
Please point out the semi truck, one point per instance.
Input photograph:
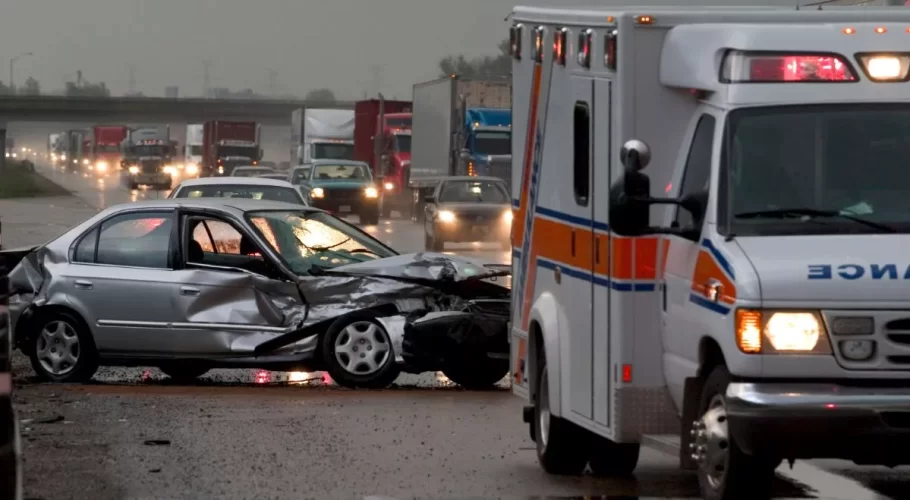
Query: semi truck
{"points": [[460, 127], [192, 150], [708, 238], [322, 134], [227, 145], [106, 147], [147, 156], [55, 147], [76, 153], [382, 139]]}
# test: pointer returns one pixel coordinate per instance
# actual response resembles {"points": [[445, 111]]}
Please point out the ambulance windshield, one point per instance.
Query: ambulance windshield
{"points": [[817, 169]]}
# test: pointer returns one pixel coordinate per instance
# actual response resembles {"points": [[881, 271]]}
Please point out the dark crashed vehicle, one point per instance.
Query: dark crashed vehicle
{"points": [[189, 285]]}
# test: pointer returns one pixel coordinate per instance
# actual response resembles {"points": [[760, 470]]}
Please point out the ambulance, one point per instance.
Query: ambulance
{"points": [[712, 237]]}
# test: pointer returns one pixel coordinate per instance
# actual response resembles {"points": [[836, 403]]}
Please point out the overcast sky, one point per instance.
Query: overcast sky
{"points": [[309, 43]]}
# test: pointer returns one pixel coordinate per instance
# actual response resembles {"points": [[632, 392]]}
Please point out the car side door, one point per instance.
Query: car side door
{"points": [[121, 280], [231, 295]]}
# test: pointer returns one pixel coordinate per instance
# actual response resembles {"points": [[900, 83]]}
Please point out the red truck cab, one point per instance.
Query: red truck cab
{"points": [[391, 166], [105, 148]]}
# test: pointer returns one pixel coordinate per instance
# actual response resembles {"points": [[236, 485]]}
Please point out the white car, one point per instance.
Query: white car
{"points": [[250, 171], [255, 188]]}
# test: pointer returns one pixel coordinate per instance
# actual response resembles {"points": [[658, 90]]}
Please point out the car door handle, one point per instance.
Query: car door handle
{"points": [[188, 290], [83, 284]]}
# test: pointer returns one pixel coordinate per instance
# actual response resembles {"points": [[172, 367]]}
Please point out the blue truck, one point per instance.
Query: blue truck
{"points": [[459, 127]]}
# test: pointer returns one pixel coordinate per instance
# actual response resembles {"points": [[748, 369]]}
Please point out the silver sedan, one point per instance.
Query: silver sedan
{"points": [[193, 284]]}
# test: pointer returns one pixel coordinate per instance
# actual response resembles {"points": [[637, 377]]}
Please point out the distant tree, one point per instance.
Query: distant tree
{"points": [[320, 95], [31, 87], [484, 67], [5, 90]]}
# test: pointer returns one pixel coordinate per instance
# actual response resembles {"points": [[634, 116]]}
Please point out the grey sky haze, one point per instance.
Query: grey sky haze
{"points": [[311, 44]]}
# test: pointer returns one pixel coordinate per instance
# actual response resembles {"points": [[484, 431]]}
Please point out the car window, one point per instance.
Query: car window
{"points": [[215, 236], [341, 172], [135, 239], [85, 249], [473, 192], [300, 175]]}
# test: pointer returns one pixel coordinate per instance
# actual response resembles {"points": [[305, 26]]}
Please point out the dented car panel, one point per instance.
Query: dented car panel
{"points": [[227, 315]]}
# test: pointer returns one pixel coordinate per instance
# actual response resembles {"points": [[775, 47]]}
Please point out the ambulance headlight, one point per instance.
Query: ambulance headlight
{"points": [[886, 67], [446, 216], [768, 332]]}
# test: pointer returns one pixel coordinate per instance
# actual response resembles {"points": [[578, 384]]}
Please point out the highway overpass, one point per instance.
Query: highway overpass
{"points": [[152, 109]]}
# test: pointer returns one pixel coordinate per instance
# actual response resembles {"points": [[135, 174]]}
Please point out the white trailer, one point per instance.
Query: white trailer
{"points": [[319, 134], [753, 299], [192, 150]]}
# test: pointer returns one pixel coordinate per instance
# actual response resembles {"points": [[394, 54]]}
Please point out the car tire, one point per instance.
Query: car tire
{"points": [[358, 353], [477, 374], [183, 372], [741, 476], [561, 445], [611, 459], [57, 335]]}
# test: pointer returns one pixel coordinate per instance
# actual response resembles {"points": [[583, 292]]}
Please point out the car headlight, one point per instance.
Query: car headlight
{"points": [[317, 193], [192, 169], [101, 166], [446, 216], [134, 170], [767, 332], [371, 192], [507, 216], [220, 170], [63, 157], [170, 170], [85, 161], [388, 186]]}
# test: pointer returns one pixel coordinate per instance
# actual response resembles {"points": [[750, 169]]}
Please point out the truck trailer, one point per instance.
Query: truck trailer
{"points": [[382, 139], [76, 153], [227, 145], [106, 147], [192, 150], [322, 134], [460, 127], [147, 156]]}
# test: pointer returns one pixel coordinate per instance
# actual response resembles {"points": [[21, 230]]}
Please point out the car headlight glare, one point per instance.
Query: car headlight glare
{"points": [[507, 216], [371, 192], [446, 216], [768, 332], [134, 170], [388, 186], [192, 169], [317, 193]]}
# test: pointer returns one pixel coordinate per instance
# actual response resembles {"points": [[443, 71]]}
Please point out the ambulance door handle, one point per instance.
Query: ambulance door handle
{"points": [[573, 243], [663, 295], [596, 250]]}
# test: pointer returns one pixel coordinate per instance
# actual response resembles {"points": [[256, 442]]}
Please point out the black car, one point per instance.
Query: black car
{"points": [[463, 209]]}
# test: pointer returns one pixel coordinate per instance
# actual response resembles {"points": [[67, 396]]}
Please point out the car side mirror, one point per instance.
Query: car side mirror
{"points": [[465, 154], [629, 196], [429, 199]]}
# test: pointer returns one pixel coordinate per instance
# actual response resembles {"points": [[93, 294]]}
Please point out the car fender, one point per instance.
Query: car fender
{"points": [[550, 316]]}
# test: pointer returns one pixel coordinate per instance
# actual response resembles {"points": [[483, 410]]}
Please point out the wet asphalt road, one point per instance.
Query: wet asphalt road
{"points": [[257, 434]]}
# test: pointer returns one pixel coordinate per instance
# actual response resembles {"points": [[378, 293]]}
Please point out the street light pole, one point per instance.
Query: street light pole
{"points": [[12, 84]]}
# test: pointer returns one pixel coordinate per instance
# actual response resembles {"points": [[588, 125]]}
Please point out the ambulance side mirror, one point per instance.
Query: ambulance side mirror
{"points": [[629, 206]]}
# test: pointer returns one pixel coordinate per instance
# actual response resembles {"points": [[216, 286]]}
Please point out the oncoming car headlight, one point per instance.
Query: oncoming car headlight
{"points": [[371, 192], [763, 331], [134, 170], [317, 193], [446, 216]]}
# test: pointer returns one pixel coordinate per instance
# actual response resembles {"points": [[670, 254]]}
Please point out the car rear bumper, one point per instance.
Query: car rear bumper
{"points": [[780, 420], [354, 206]]}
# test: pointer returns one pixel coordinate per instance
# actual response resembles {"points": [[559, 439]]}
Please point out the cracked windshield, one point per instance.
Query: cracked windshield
{"points": [[439, 249]]}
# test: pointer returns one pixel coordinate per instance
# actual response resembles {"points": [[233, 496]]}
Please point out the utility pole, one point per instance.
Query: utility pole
{"points": [[12, 61], [205, 77], [132, 84]]}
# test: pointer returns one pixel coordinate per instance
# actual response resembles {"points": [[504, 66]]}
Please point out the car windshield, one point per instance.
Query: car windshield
{"points": [[149, 150], [473, 192], [341, 172], [816, 169], [312, 241], [107, 148], [196, 150], [493, 143], [274, 193], [250, 172], [333, 151], [403, 143], [299, 175]]}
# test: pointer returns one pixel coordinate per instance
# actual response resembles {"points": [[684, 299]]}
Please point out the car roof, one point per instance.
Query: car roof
{"points": [[234, 181], [334, 162], [237, 206], [251, 167]]}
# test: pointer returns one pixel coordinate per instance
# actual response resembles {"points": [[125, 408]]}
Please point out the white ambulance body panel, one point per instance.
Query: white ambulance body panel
{"points": [[624, 321]]}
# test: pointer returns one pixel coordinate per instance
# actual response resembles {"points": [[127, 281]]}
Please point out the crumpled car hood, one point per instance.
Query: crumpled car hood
{"points": [[421, 266]]}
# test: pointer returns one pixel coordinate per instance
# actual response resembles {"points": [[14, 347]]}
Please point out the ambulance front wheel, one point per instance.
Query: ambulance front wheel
{"points": [[560, 444], [724, 471]]}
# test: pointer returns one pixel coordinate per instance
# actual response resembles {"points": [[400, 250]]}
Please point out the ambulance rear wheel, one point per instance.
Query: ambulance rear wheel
{"points": [[724, 471], [560, 444], [611, 459]]}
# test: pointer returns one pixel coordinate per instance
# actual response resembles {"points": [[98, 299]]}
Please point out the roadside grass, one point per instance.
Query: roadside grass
{"points": [[19, 180]]}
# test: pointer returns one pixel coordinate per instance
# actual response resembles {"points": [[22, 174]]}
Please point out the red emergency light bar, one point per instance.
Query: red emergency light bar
{"points": [[777, 67]]}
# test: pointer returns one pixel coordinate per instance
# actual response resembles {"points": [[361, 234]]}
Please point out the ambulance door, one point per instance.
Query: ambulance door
{"points": [[682, 308], [581, 249], [601, 175]]}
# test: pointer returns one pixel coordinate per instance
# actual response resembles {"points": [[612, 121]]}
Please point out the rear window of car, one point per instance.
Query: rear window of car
{"points": [[273, 193]]}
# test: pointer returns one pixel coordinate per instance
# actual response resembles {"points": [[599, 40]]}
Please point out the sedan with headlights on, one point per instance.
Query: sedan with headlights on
{"points": [[343, 187], [464, 209], [256, 188]]}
